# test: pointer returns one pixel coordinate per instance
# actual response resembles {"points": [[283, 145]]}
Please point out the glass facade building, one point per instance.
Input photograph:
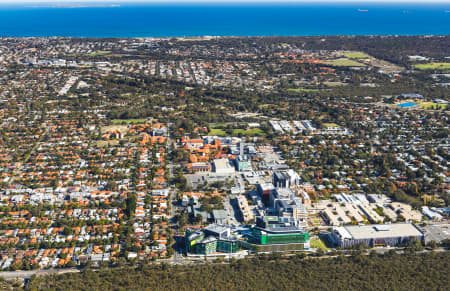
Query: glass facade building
{"points": [[213, 239]]}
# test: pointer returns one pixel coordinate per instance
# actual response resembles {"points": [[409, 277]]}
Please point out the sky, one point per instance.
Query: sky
{"points": [[210, 1]]}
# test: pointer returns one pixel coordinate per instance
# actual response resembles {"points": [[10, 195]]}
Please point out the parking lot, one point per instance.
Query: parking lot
{"points": [[195, 180]]}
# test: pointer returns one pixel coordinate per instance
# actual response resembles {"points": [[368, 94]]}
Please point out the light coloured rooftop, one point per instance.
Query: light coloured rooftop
{"points": [[222, 164], [382, 230]]}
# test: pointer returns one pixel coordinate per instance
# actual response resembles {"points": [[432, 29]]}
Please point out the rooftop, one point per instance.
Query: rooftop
{"points": [[222, 164], [219, 214], [379, 231]]}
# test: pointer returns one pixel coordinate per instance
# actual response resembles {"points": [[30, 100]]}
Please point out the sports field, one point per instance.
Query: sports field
{"points": [[217, 132], [344, 62], [327, 125], [302, 90], [248, 132], [433, 66], [356, 55], [432, 105], [98, 53], [127, 121]]}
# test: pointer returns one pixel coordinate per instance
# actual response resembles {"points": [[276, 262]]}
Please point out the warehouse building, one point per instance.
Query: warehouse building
{"points": [[375, 235]]}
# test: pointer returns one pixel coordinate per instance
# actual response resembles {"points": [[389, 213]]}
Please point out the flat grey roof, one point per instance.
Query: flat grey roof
{"points": [[219, 214], [222, 163], [216, 228], [437, 232], [382, 230]]}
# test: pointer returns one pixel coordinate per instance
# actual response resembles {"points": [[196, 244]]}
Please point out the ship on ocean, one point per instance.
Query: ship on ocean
{"points": [[155, 19]]}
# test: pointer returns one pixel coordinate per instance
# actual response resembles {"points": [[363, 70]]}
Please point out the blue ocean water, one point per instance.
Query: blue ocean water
{"points": [[247, 19]]}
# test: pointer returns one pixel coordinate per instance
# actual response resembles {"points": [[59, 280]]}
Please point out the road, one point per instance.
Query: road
{"points": [[170, 167], [27, 274], [233, 216], [177, 259]]}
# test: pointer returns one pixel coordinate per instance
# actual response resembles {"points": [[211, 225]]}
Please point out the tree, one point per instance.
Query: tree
{"points": [[432, 244], [131, 205], [182, 219], [68, 230]]}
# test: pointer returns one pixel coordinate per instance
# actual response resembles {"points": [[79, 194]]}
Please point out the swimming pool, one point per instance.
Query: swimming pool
{"points": [[408, 104]]}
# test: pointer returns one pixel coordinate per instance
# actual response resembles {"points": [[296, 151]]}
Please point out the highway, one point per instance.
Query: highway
{"points": [[27, 274], [178, 259]]}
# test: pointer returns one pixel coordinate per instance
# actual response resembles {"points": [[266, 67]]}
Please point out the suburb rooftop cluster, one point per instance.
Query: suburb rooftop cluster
{"points": [[181, 150]]}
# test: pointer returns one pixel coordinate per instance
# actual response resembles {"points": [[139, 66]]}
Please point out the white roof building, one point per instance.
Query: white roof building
{"points": [[376, 234], [223, 166]]}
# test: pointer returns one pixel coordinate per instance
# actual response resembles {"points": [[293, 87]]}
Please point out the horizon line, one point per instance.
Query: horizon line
{"points": [[221, 1]]}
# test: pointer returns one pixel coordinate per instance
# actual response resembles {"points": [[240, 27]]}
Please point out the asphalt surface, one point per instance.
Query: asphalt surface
{"points": [[27, 274], [232, 215]]}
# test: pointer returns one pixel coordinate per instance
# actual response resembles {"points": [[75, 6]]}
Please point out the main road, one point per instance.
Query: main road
{"points": [[170, 168], [40, 272]]}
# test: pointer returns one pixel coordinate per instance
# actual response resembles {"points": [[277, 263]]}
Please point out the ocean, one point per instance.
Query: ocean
{"points": [[222, 19]]}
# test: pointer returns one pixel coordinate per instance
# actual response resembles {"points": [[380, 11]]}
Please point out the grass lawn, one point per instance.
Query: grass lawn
{"points": [[102, 143], [334, 84], [432, 105], [326, 125], [356, 55], [249, 132], [318, 244], [343, 62], [433, 66], [98, 53], [127, 121], [215, 125], [236, 131], [217, 131], [302, 90]]}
